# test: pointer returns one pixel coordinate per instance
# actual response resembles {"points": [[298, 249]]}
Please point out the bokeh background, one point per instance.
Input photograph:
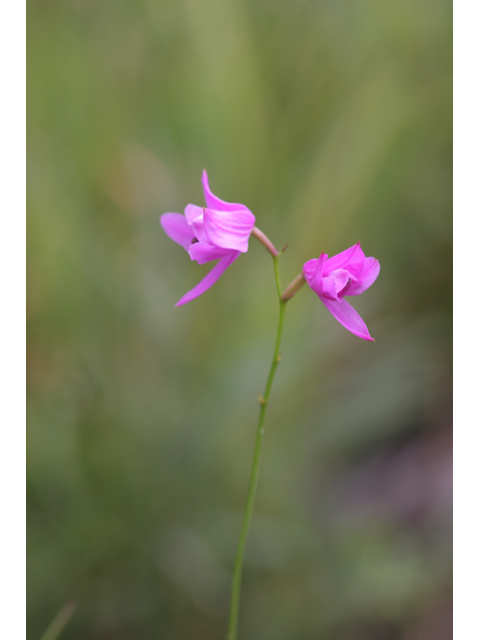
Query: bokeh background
{"points": [[331, 120]]}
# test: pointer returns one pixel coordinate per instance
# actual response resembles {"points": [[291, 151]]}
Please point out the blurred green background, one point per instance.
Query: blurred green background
{"points": [[331, 120]]}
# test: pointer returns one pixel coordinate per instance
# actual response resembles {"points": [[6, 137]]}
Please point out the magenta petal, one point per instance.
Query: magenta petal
{"points": [[213, 202], [228, 229], [210, 278], [335, 283], [312, 270], [192, 212], [368, 276], [342, 311], [351, 259], [177, 228], [203, 252], [194, 216]]}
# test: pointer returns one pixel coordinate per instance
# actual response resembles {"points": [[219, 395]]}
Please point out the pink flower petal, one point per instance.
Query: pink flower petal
{"points": [[177, 228], [229, 229], [342, 311], [194, 216], [203, 252], [213, 202], [312, 270], [192, 212], [351, 259], [335, 283], [210, 278], [368, 276]]}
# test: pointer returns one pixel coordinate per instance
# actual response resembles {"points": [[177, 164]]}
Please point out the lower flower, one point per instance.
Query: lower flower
{"points": [[348, 273]]}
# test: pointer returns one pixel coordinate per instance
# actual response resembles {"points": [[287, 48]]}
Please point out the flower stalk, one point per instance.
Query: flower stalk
{"points": [[267, 243], [252, 487], [295, 285]]}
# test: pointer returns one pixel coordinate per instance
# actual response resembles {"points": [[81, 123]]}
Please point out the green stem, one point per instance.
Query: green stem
{"points": [[252, 487]]}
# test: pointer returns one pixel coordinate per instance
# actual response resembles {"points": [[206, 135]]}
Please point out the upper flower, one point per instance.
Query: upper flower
{"points": [[347, 274], [218, 231]]}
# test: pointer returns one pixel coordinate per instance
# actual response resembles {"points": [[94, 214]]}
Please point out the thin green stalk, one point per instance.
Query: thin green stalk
{"points": [[252, 487]]}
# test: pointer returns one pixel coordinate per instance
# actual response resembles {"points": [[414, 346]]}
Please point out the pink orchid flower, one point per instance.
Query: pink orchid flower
{"points": [[219, 231], [348, 273]]}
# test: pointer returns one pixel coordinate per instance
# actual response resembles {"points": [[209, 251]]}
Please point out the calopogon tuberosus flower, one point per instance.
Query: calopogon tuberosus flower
{"points": [[219, 231], [348, 273]]}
